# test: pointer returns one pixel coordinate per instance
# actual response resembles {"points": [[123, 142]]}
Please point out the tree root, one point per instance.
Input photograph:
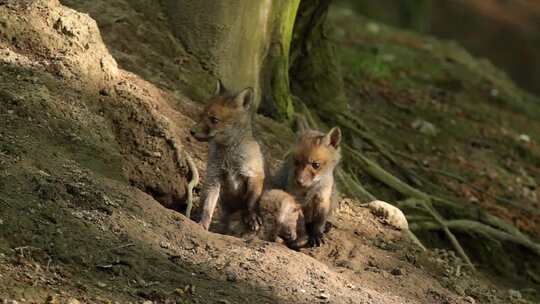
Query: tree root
{"points": [[192, 183], [467, 226], [192, 168], [418, 200], [345, 119], [415, 239], [354, 188], [382, 175], [478, 189]]}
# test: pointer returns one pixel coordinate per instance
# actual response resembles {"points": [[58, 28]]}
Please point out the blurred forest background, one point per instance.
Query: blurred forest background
{"points": [[97, 99], [505, 32]]}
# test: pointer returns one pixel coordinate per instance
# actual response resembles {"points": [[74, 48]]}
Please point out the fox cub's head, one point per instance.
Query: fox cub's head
{"points": [[225, 115], [315, 155]]}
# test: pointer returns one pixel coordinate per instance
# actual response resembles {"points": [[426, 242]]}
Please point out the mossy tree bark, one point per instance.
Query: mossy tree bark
{"points": [[269, 45], [243, 43], [315, 74]]}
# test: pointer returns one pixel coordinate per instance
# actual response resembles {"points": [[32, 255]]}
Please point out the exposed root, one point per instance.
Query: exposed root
{"points": [[478, 189], [418, 200], [353, 188], [415, 240], [467, 226], [192, 183], [345, 120], [382, 175]]}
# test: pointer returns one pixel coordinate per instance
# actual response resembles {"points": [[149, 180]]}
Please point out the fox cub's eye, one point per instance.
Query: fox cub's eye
{"points": [[316, 165], [214, 120]]}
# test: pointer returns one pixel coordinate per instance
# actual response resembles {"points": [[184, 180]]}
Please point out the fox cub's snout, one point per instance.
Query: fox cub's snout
{"points": [[315, 156], [222, 116]]}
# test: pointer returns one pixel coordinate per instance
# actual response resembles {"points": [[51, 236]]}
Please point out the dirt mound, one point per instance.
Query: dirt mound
{"points": [[87, 148], [68, 42]]}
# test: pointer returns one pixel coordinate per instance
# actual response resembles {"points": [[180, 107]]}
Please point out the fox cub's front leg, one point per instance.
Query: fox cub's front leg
{"points": [[210, 202], [321, 211], [254, 191]]}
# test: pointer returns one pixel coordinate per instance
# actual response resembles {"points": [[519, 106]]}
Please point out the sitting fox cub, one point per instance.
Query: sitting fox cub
{"points": [[235, 170], [308, 175], [282, 218]]}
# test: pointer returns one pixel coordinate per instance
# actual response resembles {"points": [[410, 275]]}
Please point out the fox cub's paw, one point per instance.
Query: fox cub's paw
{"points": [[316, 239], [204, 224], [253, 221]]}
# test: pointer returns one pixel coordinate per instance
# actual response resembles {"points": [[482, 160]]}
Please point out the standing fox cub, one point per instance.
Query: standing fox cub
{"points": [[308, 175], [235, 169], [282, 217]]}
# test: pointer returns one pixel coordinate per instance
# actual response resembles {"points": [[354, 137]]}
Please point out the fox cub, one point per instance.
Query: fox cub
{"points": [[235, 169], [308, 175], [282, 218]]}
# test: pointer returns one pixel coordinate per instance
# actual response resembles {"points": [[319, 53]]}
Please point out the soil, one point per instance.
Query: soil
{"points": [[91, 185]]}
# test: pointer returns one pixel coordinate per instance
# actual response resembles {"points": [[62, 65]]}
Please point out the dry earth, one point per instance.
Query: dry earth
{"points": [[86, 153]]}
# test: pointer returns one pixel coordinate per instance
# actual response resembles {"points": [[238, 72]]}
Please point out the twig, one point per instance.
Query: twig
{"points": [[124, 246]]}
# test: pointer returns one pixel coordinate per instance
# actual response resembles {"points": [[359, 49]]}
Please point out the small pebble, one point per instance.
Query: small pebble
{"points": [[324, 296]]}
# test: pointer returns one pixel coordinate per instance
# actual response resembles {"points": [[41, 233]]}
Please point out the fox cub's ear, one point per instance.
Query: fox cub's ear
{"points": [[244, 99], [301, 124], [333, 138], [220, 88]]}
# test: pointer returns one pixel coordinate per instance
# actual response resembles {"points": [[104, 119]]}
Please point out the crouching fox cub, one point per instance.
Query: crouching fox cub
{"points": [[282, 217], [235, 169], [308, 175]]}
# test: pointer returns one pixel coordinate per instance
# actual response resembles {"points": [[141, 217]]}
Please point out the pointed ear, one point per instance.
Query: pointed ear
{"points": [[220, 88], [301, 124], [244, 99], [333, 138]]}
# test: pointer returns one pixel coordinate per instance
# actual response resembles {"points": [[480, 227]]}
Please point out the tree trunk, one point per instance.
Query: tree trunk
{"points": [[243, 43], [315, 74]]}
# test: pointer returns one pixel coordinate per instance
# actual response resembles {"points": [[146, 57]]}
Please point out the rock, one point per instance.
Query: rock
{"points": [[524, 138], [470, 300], [147, 302], [324, 296], [101, 284], [425, 127], [389, 214], [73, 301], [373, 28]]}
